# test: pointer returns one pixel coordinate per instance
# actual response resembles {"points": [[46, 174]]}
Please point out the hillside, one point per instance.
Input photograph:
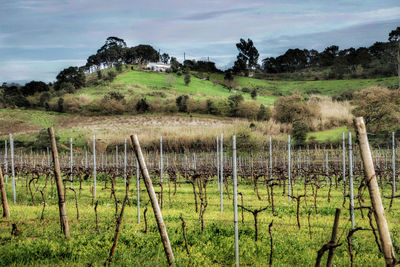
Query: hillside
{"points": [[180, 129]]}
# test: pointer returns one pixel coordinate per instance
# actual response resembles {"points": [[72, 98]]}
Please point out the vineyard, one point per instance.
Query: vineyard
{"points": [[287, 201]]}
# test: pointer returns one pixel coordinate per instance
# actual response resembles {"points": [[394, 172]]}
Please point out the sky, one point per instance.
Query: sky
{"points": [[39, 38]]}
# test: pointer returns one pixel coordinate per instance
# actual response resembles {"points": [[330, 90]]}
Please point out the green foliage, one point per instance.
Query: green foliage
{"points": [[299, 132], [187, 78], [182, 103], [114, 95], [253, 94], [142, 106], [264, 114], [73, 75], [234, 101], [42, 140], [292, 108]]}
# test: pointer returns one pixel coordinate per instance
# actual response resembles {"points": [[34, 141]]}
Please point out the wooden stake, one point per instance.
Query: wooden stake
{"points": [[57, 175], [6, 211], [152, 195], [373, 188]]}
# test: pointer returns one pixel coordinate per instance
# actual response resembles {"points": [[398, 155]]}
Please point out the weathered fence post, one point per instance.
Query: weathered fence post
{"points": [[153, 199], [59, 183], [235, 209], [6, 211], [373, 188]]}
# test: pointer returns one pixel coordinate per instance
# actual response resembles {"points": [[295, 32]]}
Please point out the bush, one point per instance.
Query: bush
{"points": [[42, 140], [142, 106], [264, 113], [113, 95], [247, 109], [118, 66], [292, 108], [299, 132], [111, 76], [211, 107], [68, 87], [254, 94], [99, 75], [234, 101], [187, 78], [181, 103], [44, 98], [112, 107]]}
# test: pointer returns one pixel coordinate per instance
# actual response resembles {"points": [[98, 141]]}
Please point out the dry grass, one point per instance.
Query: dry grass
{"points": [[330, 113]]}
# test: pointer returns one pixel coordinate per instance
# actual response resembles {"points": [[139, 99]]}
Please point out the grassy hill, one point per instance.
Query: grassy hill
{"points": [[180, 128], [152, 84]]}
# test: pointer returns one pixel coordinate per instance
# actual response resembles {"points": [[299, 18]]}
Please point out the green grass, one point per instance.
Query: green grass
{"points": [[35, 117], [40, 243], [331, 135], [324, 87]]}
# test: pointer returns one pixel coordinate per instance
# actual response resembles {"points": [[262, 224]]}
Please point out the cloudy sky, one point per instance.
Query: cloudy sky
{"points": [[38, 38]]}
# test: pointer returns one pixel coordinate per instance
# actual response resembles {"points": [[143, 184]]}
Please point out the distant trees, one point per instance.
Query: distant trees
{"points": [[394, 37], [201, 66], [115, 51], [72, 75], [368, 61], [247, 59], [34, 87]]}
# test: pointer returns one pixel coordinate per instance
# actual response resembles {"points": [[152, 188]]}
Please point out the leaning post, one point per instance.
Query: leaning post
{"points": [[379, 212]]}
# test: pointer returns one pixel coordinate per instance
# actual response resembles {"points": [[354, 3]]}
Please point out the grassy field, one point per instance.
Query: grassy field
{"points": [[323, 87], [40, 242], [150, 84]]}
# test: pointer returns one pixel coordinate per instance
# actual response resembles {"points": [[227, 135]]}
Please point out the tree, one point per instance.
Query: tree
{"points": [[175, 65], [394, 37], [165, 58], [187, 78], [234, 101], [247, 58], [170, 79], [34, 87], [299, 132], [292, 108], [181, 103], [73, 75], [264, 113], [380, 108]]}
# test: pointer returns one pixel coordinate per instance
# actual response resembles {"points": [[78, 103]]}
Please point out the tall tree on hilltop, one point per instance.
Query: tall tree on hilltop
{"points": [[247, 58], [394, 37]]}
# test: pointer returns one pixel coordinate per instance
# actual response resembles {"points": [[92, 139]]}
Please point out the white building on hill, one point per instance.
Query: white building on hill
{"points": [[158, 66]]}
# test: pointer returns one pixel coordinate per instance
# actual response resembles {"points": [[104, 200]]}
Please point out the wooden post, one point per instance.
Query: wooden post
{"points": [[154, 203], [57, 175], [333, 238], [6, 211], [373, 188]]}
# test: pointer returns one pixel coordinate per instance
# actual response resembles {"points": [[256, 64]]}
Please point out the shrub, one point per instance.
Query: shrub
{"points": [[113, 95], [264, 113], [211, 107], [142, 106], [118, 66], [247, 109], [60, 105], [292, 108], [44, 98], [234, 101], [99, 75], [181, 103], [111, 76], [42, 140], [112, 107], [68, 87], [254, 94], [187, 78], [299, 132]]}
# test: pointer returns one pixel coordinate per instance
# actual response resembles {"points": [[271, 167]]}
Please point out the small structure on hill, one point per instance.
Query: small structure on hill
{"points": [[158, 66]]}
